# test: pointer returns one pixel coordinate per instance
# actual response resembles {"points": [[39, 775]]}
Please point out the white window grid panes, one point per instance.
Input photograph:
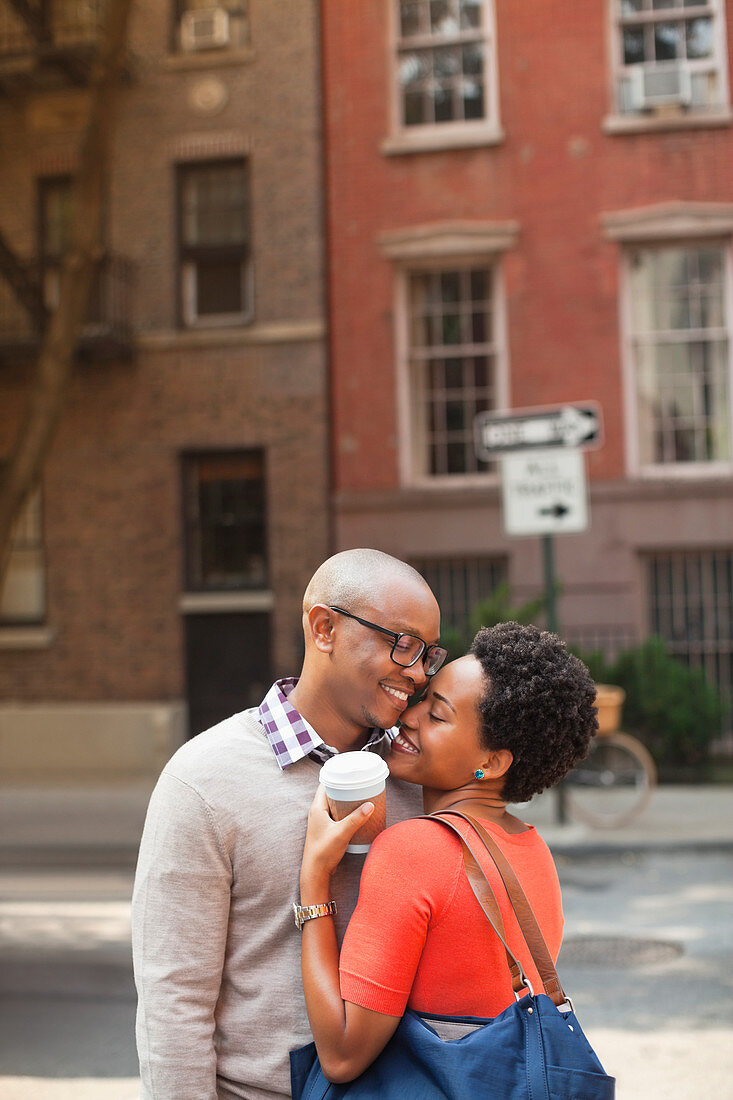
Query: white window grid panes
{"points": [[680, 351], [216, 273], [444, 55], [682, 38], [690, 606], [214, 205], [459, 584], [452, 357]]}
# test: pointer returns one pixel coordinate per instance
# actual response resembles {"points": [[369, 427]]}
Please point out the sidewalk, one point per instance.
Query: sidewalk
{"points": [[678, 818], [101, 826]]}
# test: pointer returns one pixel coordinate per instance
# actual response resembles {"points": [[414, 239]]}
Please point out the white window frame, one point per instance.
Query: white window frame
{"points": [[718, 113], [26, 567], [189, 296], [445, 247], [188, 268], [444, 135], [678, 225]]}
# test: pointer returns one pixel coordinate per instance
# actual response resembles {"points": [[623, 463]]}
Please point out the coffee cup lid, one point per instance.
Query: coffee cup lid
{"points": [[352, 770]]}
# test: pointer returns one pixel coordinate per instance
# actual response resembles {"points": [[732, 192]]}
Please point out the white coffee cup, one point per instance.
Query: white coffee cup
{"points": [[351, 778]]}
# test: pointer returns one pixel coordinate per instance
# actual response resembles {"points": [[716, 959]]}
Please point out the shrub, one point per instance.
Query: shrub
{"points": [[670, 707]]}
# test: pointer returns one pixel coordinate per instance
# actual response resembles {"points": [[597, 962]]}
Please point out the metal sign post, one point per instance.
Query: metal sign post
{"points": [[543, 482], [542, 472]]}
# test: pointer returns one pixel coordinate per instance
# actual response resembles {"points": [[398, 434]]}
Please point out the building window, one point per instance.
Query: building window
{"points": [[23, 588], [453, 341], [67, 24], [459, 584], [671, 57], [54, 227], [225, 521], [202, 25], [690, 606], [680, 353], [445, 66], [214, 243]]}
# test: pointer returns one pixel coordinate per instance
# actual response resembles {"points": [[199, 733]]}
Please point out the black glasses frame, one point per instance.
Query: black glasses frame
{"points": [[432, 656]]}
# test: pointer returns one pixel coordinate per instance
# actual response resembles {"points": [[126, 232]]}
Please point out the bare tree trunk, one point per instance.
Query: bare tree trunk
{"points": [[47, 396]]}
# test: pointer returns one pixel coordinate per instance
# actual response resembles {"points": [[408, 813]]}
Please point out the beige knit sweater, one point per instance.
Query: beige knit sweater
{"points": [[216, 951]]}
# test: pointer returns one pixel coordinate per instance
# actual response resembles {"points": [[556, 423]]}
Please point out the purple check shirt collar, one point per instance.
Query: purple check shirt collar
{"points": [[290, 736]]}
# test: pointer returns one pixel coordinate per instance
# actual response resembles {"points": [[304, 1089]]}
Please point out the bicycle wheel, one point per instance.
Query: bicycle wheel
{"points": [[613, 784]]}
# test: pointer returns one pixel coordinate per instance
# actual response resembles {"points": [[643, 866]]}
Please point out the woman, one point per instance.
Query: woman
{"points": [[496, 726]]}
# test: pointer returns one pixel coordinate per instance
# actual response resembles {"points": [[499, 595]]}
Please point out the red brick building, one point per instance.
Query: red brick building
{"points": [[156, 577], [531, 204]]}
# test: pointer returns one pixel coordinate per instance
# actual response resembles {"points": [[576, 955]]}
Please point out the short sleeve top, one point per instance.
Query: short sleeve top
{"points": [[418, 937]]}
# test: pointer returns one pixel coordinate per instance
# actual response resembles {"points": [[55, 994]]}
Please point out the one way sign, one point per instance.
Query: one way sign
{"points": [[576, 426]]}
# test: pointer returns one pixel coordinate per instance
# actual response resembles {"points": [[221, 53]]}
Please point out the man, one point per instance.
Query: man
{"points": [[216, 949]]}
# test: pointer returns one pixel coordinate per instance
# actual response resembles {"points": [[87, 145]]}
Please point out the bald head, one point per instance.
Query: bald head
{"points": [[350, 680], [353, 575]]}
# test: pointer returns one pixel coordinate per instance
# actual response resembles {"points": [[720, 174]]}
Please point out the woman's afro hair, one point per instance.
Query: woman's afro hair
{"points": [[538, 704]]}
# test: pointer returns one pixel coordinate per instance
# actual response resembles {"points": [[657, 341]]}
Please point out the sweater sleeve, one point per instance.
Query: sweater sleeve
{"points": [[409, 878], [179, 922]]}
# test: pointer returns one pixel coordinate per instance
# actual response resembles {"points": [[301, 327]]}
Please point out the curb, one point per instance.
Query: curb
{"points": [[632, 847]]}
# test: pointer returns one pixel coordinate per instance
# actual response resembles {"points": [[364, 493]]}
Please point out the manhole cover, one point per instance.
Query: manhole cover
{"points": [[616, 951]]}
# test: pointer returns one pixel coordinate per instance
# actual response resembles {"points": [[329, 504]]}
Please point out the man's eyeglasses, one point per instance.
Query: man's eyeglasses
{"points": [[407, 649]]}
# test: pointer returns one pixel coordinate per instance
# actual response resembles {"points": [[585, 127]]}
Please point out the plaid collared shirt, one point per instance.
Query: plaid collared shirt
{"points": [[290, 736]]}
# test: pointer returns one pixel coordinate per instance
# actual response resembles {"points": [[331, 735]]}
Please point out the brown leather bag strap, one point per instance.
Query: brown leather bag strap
{"points": [[486, 898], [525, 915]]}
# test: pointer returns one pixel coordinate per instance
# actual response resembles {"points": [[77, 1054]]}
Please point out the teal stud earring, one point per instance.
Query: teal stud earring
{"points": [[478, 773]]}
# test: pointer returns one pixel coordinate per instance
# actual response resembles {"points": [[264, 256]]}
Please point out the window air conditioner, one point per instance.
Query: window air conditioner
{"points": [[661, 84], [204, 29]]}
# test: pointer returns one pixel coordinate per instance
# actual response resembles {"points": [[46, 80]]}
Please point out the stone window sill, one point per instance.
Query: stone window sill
{"points": [[691, 472], [283, 333], [212, 603], [26, 637], [208, 59], [642, 124], [452, 482], [437, 139]]}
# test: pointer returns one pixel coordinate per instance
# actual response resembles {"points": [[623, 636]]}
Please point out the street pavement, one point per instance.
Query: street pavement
{"points": [[648, 952]]}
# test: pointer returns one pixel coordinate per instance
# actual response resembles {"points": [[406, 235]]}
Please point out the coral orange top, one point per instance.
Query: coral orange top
{"points": [[418, 937]]}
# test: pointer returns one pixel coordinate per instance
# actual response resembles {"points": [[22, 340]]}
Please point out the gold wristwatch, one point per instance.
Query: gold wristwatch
{"points": [[308, 912]]}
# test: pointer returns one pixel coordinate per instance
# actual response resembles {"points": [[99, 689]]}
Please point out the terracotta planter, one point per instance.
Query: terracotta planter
{"points": [[609, 700]]}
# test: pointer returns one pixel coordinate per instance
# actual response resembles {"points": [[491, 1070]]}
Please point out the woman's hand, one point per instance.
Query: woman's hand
{"points": [[326, 840], [348, 1037]]}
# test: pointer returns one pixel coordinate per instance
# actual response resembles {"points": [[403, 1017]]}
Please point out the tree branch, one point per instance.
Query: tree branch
{"points": [[47, 397], [25, 288], [32, 16]]}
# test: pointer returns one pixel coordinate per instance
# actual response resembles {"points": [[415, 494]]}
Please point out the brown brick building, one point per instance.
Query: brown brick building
{"points": [[159, 570], [532, 204]]}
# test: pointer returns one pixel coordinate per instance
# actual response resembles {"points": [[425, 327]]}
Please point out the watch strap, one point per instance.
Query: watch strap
{"points": [[310, 912]]}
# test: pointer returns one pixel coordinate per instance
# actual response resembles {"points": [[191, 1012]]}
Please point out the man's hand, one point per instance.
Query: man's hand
{"points": [[326, 839]]}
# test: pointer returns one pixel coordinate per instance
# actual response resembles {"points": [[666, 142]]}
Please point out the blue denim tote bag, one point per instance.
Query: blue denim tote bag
{"points": [[533, 1050]]}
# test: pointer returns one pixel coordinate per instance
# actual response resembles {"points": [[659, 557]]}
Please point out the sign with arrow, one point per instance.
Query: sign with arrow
{"points": [[544, 492], [577, 425]]}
